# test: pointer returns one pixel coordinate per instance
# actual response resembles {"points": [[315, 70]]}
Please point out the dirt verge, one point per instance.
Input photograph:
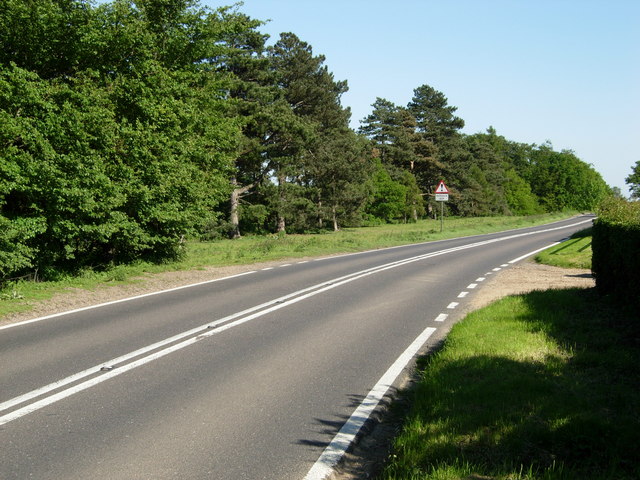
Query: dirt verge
{"points": [[369, 455]]}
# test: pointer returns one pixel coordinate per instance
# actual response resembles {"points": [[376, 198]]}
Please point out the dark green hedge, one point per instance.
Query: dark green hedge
{"points": [[616, 250]]}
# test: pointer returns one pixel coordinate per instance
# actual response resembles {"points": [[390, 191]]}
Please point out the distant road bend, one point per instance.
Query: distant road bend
{"points": [[269, 374]]}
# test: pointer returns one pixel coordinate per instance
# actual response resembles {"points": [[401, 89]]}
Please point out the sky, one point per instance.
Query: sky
{"points": [[563, 71]]}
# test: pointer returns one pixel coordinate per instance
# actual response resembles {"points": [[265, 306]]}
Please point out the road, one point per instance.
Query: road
{"points": [[246, 377]]}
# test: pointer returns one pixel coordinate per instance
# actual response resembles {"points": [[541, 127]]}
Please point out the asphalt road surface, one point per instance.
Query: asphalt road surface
{"points": [[264, 375]]}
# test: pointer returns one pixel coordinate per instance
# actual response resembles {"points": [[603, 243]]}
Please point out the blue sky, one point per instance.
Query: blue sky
{"points": [[566, 71]]}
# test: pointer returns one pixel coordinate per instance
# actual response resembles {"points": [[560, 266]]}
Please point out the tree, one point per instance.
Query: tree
{"points": [[314, 98], [257, 102], [43, 36], [561, 180], [393, 133], [439, 134], [633, 180], [114, 158], [388, 198], [435, 118], [339, 173], [487, 179]]}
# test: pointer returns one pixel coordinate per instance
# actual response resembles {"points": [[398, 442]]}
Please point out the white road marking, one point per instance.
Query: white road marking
{"points": [[91, 307], [463, 294], [480, 279], [533, 253], [323, 468], [347, 434], [471, 286], [208, 329]]}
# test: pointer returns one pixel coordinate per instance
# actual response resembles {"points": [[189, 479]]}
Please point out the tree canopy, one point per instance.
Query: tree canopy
{"points": [[130, 126], [633, 180]]}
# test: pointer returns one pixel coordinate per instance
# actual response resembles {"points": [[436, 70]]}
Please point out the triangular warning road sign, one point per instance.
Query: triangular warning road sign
{"points": [[442, 188]]}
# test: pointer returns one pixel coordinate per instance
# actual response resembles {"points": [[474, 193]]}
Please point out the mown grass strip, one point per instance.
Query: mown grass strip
{"points": [[537, 386], [20, 296], [574, 253]]}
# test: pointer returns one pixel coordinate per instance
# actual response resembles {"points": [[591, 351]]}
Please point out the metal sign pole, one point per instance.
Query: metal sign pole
{"points": [[442, 195]]}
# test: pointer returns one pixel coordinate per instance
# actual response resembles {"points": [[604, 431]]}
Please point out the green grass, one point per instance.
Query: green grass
{"points": [[543, 385], [537, 386], [21, 296], [574, 253]]}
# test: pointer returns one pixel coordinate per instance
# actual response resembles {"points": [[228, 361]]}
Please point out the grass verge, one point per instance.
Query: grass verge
{"points": [[537, 386], [574, 253], [20, 296]]}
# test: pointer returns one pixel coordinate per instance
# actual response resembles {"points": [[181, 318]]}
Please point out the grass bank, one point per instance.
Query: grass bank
{"points": [[20, 296], [537, 386], [574, 253]]}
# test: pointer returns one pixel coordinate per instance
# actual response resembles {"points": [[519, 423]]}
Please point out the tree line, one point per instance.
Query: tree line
{"points": [[130, 126]]}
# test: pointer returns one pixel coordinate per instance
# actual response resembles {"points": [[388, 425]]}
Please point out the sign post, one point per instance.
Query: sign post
{"points": [[442, 195]]}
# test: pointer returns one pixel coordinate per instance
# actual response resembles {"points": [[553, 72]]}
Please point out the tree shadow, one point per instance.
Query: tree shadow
{"points": [[576, 411]]}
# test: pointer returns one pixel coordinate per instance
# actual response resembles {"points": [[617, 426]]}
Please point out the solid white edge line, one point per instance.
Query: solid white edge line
{"points": [[347, 434], [75, 377], [534, 252], [91, 307], [207, 330], [122, 300], [334, 452]]}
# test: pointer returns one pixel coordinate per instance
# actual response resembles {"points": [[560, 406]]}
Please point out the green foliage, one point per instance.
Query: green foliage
{"points": [[486, 173], [535, 386], [106, 163], [573, 253], [127, 126], [388, 198], [435, 118], [633, 180], [518, 195], [616, 241], [561, 180]]}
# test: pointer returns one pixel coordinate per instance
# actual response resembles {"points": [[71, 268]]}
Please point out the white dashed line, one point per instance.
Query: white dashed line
{"points": [[441, 318], [472, 286], [463, 294], [452, 305], [480, 279]]}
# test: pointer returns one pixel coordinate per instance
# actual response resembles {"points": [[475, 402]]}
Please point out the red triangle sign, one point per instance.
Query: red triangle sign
{"points": [[442, 188]]}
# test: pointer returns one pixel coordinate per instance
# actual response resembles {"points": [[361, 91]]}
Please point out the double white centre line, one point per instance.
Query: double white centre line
{"points": [[46, 395]]}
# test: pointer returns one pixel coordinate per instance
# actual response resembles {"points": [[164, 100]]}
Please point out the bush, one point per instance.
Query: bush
{"points": [[616, 243]]}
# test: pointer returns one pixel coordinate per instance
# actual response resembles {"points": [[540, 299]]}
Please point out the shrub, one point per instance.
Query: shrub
{"points": [[616, 243]]}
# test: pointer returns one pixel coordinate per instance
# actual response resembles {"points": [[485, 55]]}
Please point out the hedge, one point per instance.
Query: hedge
{"points": [[616, 250]]}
